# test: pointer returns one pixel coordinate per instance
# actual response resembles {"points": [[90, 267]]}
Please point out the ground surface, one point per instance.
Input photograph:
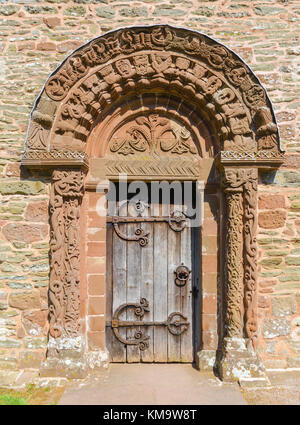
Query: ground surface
{"points": [[31, 394], [284, 390], [168, 384], [153, 384]]}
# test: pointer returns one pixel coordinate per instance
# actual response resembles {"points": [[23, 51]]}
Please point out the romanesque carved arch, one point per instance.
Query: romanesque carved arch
{"points": [[213, 79], [199, 75]]}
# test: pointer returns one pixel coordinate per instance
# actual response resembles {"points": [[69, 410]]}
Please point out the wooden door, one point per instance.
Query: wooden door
{"points": [[149, 297]]}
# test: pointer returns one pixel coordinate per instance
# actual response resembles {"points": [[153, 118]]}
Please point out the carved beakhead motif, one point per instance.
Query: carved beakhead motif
{"points": [[193, 66]]}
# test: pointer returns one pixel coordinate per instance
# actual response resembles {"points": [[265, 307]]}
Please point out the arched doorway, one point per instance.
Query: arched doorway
{"points": [[156, 103]]}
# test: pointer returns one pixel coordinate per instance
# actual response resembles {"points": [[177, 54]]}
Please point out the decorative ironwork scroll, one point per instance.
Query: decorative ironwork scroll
{"points": [[140, 235], [177, 221], [176, 323], [65, 201], [241, 267]]}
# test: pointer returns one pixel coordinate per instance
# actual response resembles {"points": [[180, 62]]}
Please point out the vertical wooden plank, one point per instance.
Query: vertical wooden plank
{"points": [[147, 289], [186, 298], [119, 273], [133, 289], [174, 293], [160, 288]]}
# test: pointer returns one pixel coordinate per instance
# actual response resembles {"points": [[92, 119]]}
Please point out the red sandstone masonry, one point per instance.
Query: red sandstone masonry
{"points": [[96, 254], [34, 42]]}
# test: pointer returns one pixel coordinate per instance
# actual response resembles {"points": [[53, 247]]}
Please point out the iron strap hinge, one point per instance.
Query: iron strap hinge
{"points": [[124, 323], [177, 221], [176, 323]]}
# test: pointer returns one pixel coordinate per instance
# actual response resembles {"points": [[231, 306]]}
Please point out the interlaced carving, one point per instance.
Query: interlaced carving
{"points": [[250, 257], [56, 154], [241, 263], [183, 62], [153, 134], [254, 156], [234, 258], [187, 66], [65, 200]]}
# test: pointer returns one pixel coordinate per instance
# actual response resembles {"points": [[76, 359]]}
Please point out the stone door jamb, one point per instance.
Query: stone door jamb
{"points": [[214, 80]]}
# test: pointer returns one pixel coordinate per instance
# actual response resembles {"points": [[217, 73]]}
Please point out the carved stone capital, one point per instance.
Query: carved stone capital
{"points": [[234, 178]]}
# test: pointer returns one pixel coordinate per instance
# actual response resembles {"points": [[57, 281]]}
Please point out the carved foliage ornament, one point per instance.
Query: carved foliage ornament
{"points": [[65, 201], [187, 61], [234, 269], [152, 134], [241, 263]]}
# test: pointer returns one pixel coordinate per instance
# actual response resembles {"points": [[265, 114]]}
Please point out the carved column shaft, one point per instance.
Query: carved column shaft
{"points": [[240, 249], [234, 266], [64, 292], [250, 258]]}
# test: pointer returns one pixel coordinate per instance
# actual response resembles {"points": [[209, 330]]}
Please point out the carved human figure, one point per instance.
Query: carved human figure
{"points": [[240, 187], [65, 200], [125, 68], [142, 65]]}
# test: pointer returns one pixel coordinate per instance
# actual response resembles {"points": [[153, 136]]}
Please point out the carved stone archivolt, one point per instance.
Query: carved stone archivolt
{"points": [[186, 63], [172, 81], [64, 302], [240, 186]]}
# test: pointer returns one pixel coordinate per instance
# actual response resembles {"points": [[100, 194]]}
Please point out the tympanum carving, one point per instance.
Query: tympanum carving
{"points": [[153, 134], [187, 63], [194, 70]]}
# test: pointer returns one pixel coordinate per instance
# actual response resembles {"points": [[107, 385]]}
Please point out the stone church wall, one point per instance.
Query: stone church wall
{"points": [[35, 37]]}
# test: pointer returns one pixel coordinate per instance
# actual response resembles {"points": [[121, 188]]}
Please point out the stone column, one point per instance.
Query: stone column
{"points": [[250, 259], [66, 345], [239, 360], [234, 260]]}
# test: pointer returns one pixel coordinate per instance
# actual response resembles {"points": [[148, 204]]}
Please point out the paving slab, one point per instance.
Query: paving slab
{"points": [[152, 384], [284, 389]]}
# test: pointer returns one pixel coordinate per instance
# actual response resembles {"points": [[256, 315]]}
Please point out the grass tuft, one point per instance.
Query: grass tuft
{"points": [[7, 399]]}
